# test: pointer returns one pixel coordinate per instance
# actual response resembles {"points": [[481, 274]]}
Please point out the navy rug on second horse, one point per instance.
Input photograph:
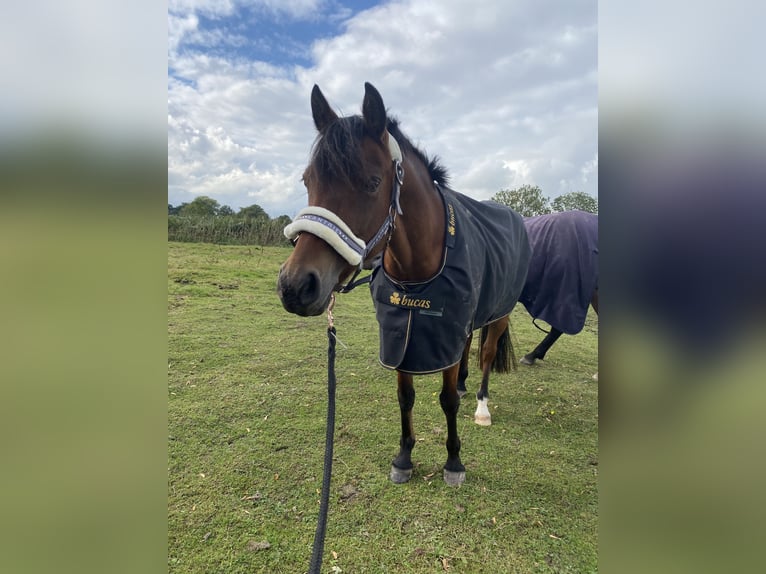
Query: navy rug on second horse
{"points": [[563, 271]]}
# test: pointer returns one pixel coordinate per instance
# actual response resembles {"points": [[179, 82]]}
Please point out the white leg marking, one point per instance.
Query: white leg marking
{"points": [[482, 416]]}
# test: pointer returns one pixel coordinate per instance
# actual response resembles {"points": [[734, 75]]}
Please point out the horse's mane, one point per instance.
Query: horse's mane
{"points": [[436, 170], [337, 151]]}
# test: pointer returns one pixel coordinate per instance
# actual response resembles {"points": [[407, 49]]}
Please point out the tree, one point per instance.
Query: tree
{"points": [[175, 210], [254, 211], [225, 210], [575, 200], [201, 206], [282, 221], [527, 200]]}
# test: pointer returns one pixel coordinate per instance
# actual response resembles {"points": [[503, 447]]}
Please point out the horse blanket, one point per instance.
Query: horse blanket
{"points": [[563, 271], [424, 326]]}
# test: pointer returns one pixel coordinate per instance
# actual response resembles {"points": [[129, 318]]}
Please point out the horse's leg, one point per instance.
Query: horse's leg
{"points": [[454, 471], [401, 466], [542, 348], [463, 373], [594, 300], [488, 352]]}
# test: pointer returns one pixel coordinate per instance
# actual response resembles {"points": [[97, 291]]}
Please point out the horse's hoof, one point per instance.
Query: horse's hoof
{"points": [[484, 421], [454, 478], [461, 393], [525, 361], [400, 475], [482, 416]]}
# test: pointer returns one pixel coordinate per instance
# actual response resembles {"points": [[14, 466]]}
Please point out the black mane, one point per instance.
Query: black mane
{"points": [[336, 152], [436, 170]]}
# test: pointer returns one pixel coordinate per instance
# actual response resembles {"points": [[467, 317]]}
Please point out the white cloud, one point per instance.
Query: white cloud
{"points": [[178, 28], [589, 169], [505, 93]]}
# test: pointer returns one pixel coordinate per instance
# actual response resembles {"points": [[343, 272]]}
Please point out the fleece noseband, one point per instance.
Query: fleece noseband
{"points": [[332, 229]]}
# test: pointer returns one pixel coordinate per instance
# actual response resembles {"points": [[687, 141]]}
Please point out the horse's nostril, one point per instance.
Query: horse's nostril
{"points": [[310, 289]]}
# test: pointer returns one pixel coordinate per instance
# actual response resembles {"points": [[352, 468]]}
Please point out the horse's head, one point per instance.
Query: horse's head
{"points": [[349, 180]]}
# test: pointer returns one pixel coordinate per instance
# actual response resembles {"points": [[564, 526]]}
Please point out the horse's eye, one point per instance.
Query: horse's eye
{"points": [[373, 184]]}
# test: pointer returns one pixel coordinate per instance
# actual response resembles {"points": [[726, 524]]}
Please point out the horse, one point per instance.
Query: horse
{"points": [[442, 263], [562, 279], [563, 274]]}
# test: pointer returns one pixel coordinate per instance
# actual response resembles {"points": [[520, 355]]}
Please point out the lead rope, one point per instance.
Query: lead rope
{"points": [[316, 554]]}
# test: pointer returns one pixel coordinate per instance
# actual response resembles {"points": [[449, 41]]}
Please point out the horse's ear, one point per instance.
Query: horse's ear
{"points": [[374, 111], [321, 110]]}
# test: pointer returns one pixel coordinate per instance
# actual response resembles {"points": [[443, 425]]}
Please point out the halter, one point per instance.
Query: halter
{"points": [[326, 225]]}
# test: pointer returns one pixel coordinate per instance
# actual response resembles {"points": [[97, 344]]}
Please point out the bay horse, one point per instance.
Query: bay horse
{"points": [[443, 264]]}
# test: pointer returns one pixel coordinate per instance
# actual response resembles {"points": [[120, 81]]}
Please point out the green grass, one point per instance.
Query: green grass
{"points": [[247, 404]]}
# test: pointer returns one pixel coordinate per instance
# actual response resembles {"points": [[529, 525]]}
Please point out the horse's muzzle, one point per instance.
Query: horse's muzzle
{"points": [[302, 294]]}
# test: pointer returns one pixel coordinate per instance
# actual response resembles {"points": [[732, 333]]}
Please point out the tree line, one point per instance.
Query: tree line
{"points": [[205, 220], [529, 201]]}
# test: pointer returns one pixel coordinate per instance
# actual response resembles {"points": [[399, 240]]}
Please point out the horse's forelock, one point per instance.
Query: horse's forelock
{"points": [[337, 153]]}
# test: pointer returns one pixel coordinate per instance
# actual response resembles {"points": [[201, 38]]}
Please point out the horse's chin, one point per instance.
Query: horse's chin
{"points": [[318, 309], [305, 310]]}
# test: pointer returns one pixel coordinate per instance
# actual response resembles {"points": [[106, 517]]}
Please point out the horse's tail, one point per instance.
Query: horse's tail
{"points": [[505, 356]]}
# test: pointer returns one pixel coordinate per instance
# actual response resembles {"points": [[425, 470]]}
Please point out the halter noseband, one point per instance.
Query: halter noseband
{"points": [[332, 229]]}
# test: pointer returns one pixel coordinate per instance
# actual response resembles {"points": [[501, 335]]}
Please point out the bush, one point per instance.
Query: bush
{"points": [[227, 230]]}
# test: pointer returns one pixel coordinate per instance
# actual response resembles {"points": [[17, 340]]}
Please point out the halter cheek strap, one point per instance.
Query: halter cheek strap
{"points": [[329, 227]]}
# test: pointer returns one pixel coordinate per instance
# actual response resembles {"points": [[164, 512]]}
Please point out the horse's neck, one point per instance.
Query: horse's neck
{"points": [[415, 251]]}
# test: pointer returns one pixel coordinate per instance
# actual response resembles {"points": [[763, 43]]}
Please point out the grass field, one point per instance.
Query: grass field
{"points": [[246, 410]]}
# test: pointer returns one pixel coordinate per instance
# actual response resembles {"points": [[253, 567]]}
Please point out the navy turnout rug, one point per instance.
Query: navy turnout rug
{"points": [[424, 325], [563, 271]]}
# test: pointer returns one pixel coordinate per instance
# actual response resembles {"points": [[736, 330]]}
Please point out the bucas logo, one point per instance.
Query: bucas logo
{"points": [[451, 226], [405, 301]]}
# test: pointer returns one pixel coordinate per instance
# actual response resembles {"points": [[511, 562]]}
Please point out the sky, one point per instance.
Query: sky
{"points": [[505, 92]]}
